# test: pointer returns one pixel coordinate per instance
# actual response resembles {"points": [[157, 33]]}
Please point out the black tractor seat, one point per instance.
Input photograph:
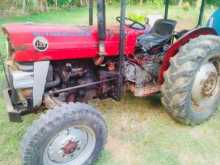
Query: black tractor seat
{"points": [[151, 40], [161, 33]]}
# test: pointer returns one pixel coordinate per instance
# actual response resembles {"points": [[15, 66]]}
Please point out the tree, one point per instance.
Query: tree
{"points": [[180, 2], [42, 5], [198, 3], [24, 6], [141, 2]]}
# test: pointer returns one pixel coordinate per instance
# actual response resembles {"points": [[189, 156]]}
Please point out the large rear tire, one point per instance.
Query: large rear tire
{"points": [[191, 87], [68, 134]]}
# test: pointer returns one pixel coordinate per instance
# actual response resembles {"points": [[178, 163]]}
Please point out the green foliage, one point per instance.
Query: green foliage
{"points": [[158, 3], [62, 3], [137, 17], [214, 2], [13, 7]]}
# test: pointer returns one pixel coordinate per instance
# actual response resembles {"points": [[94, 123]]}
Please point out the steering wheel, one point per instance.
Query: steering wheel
{"points": [[132, 23]]}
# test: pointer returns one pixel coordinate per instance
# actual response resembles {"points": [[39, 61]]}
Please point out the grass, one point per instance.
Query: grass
{"points": [[140, 131]]}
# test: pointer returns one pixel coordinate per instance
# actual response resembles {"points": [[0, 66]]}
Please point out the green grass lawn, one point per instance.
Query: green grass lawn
{"points": [[140, 131]]}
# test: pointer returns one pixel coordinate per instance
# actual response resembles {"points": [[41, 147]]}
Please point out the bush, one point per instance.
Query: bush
{"points": [[136, 17], [214, 2]]}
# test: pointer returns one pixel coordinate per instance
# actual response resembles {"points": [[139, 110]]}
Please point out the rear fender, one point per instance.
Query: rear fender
{"points": [[172, 51]]}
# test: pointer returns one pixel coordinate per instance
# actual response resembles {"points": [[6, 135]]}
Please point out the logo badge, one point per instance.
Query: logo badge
{"points": [[40, 44]]}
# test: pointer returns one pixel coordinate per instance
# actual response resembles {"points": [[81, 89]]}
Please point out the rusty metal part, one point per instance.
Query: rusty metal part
{"points": [[21, 98], [147, 90], [68, 71], [71, 98], [26, 92], [205, 82], [70, 147], [209, 85], [111, 66], [51, 102], [98, 61], [81, 86]]}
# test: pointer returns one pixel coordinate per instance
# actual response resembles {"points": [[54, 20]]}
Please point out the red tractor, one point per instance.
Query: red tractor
{"points": [[62, 67]]}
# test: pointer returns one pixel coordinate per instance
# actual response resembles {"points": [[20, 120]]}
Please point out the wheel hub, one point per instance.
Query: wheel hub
{"points": [[205, 83], [210, 84], [70, 147]]}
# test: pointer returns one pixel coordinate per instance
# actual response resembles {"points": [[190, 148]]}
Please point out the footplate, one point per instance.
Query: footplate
{"points": [[148, 90]]}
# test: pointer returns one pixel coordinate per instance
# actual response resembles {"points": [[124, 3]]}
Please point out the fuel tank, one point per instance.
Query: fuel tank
{"points": [[37, 42]]}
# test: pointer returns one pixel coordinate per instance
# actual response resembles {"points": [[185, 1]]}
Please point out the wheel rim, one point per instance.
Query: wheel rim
{"points": [[73, 145], [205, 90]]}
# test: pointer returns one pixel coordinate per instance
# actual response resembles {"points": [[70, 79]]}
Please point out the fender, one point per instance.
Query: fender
{"points": [[172, 51]]}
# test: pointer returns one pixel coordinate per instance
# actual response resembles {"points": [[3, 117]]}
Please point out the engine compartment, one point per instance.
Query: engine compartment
{"points": [[73, 69], [37, 42]]}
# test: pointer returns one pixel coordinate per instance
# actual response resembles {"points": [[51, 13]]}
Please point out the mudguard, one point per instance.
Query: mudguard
{"points": [[172, 51]]}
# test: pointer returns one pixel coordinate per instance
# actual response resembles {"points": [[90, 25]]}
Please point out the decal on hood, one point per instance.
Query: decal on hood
{"points": [[40, 44]]}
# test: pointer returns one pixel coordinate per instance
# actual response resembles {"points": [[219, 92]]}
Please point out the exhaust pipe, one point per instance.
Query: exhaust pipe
{"points": [[101, 19], [90, 12], [101, 27], [167, 2]]}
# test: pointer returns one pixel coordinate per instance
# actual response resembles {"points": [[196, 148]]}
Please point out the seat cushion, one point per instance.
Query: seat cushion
{"points": [[148, 41]]}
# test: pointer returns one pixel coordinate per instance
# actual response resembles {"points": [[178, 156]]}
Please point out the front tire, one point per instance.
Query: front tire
{"points": [[68, 134], [191, 88]]}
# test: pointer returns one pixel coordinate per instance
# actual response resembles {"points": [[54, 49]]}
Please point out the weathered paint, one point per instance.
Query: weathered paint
{"points": [[65, 42], [172, 51]]}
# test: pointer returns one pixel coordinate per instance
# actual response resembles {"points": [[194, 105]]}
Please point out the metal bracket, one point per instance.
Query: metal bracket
{"points": [[40, 76]]}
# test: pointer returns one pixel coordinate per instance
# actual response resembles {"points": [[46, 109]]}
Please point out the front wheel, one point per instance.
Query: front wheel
{"points": [[191, 88], [67, 135]]}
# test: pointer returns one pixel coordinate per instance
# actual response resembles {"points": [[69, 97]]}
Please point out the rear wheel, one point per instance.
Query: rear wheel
{"points": [[191, 88], [69, 134]]}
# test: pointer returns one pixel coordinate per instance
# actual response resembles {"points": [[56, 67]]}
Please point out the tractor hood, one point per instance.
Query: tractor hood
{"points": [[36, 42], [30, 41]]}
